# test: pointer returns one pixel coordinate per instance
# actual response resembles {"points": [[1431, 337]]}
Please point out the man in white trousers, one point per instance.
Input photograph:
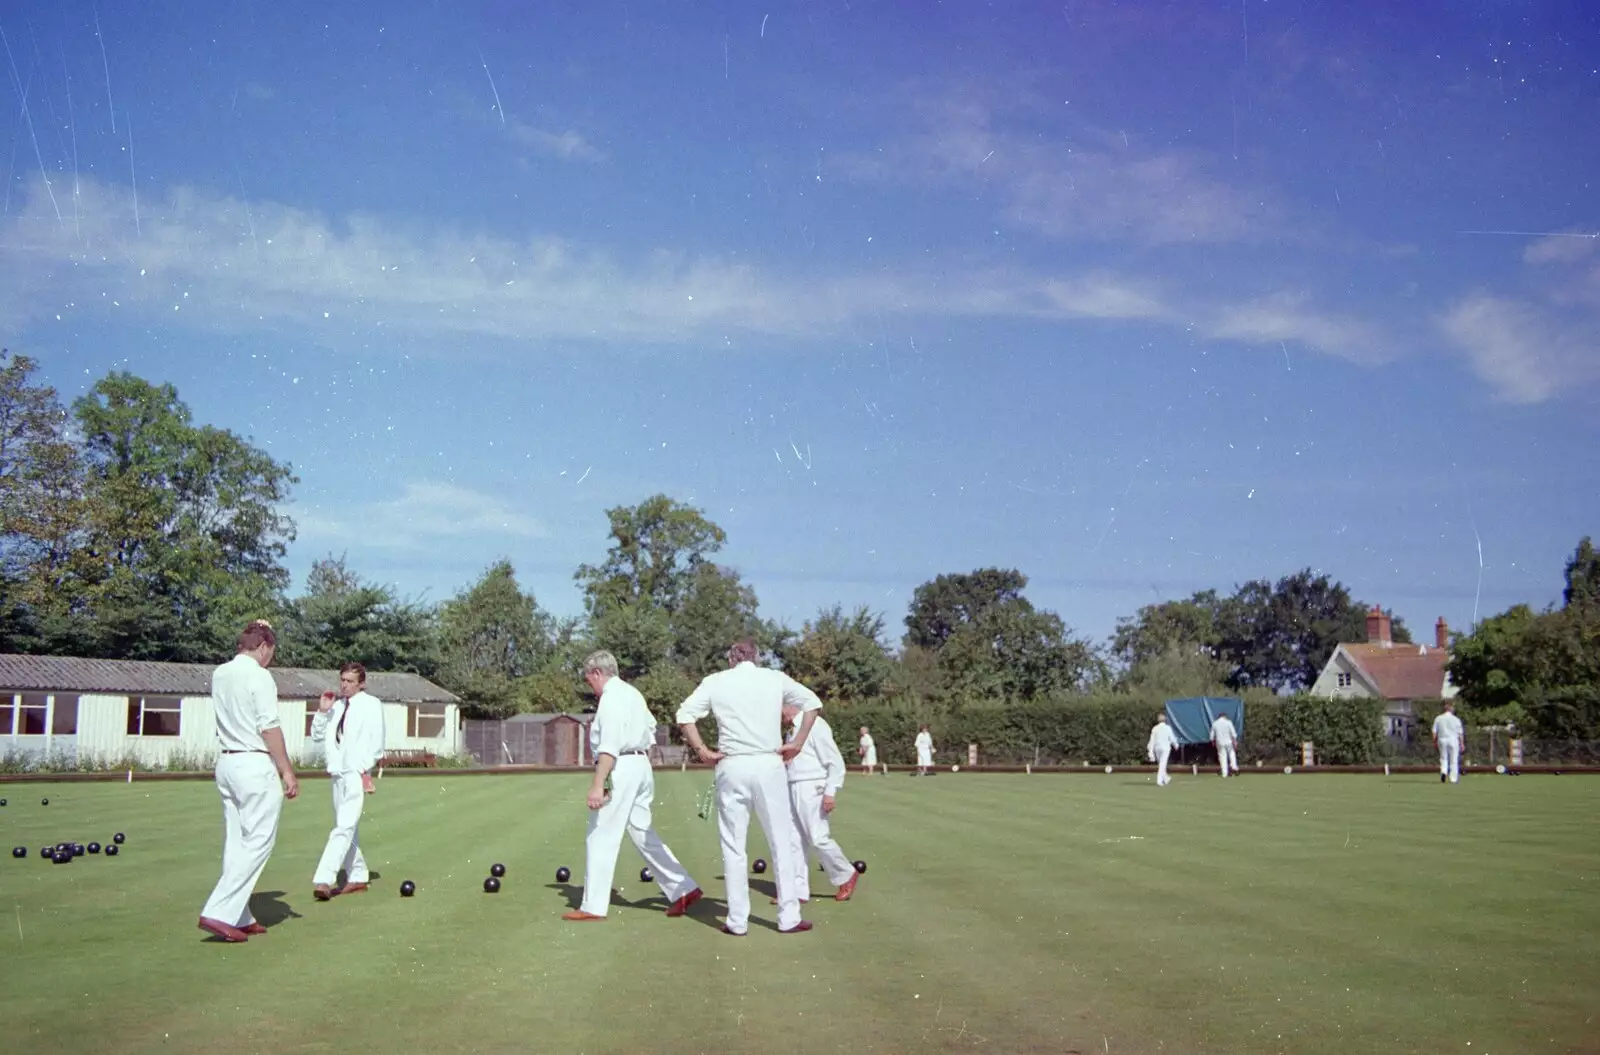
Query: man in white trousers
{"points": [[747, 702], [620, 737], [1226, 739], [868, 751], [1159, 749], [815, 776], [254, 776], [350, 728], [1447, 736], [924, 744]]}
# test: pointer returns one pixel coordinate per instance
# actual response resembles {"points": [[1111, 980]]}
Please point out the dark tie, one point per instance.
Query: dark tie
{"points": [[338, 733]]}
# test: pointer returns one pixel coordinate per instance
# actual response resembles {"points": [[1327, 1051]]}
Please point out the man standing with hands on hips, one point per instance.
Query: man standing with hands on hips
{"points": [[815, 776], [350, 728], [254, 776], [620, 737], [747, 702]]}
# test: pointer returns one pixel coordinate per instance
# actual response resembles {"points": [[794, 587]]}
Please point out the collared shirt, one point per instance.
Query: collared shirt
{"points": [[1161, 737], [1447, 727], [747, 702], [1222, 731], [819, 759], [925, 741], [359, 747], [244, 699], [622, 721], [867, 743]]}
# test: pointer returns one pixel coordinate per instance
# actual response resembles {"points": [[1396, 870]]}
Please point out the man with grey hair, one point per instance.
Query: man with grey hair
{"points": [[747, 702], [815, 777], [620, 737]]}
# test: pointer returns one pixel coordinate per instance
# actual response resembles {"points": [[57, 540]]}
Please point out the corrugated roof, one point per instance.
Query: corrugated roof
{"points": [[131, 677], [1402, 672]]}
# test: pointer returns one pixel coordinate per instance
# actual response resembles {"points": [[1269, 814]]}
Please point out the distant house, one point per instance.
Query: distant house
{"points": [[87, 710], [1396, 673]]}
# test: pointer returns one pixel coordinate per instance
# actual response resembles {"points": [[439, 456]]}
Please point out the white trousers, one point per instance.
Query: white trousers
{"points": [[633, 789], [1161, 766], [1450, 760], [756, 784], [812, 837], [1228, 757], [252, 799], [344, 842], [924, 758], [870, 760]]}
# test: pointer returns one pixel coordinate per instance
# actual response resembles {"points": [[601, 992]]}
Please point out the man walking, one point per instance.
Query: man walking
{"points": [[1226, 739], [815, 776], [253, 777], [1159, 749], [924, 751], [1447, 736], [868, 751], [747, 702], [620, 737], [355, 746]]}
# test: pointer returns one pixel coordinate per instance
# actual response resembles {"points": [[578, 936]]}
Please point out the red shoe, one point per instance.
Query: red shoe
{"points": [[799, 928], [735, 933], [351, 888], [322, 892], [580, 916], [680, 906], [253, 928], [846, 890], [222, 930]]}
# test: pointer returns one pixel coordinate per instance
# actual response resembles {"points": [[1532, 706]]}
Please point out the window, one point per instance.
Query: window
{"points": [[64, 719], [1345, 680], [425, 721], [32, 710], [154, 716], [7, 715]]}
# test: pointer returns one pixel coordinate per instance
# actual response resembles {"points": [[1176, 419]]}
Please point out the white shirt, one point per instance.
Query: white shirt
{"points": [[1223, 733], [622, 721], [245, 700], [867, 746], [747, 702], [819, 759], [925, 742], [1161, 738], [1447, 728], [360, 746]]}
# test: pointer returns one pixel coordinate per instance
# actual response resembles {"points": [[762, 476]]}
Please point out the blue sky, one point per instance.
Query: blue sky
{"points": [[1139, 299]]}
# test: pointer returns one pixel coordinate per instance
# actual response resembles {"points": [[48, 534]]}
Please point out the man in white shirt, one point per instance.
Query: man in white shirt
{"points": [[924, 751], [815, 776], [1226, 739], [254, 776], [1159, 749], [620, 737], [868, 750], [353, 749], [747, 702], [1447, 736]]}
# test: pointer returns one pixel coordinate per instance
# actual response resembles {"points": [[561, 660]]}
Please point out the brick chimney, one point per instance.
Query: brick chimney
{"points": [[1378, 628], [1441, 634]]}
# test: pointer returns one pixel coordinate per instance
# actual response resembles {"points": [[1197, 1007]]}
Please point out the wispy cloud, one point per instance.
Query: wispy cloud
{"points": [[424, 514], [568, 145]]}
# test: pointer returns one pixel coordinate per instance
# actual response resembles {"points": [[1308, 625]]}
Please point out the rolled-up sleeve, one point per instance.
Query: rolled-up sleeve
{"points": [[264, 701], [696, 707], [797, 695]]}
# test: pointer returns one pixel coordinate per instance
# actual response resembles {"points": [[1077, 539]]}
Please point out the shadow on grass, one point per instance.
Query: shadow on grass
{"points": [[705, 912]]}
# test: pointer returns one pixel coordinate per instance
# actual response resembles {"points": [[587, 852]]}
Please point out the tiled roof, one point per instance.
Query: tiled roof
{"points": [[1402, 672], [130, 677]]}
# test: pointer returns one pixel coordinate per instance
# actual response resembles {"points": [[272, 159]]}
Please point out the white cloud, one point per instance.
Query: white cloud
{"points": [[1287, 317], [1566, 248], [568, 145], [1528, 353], [424, 514]]}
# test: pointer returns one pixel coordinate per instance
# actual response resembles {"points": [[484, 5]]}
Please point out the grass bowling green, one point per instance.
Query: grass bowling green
{"points": [[999, 913]]}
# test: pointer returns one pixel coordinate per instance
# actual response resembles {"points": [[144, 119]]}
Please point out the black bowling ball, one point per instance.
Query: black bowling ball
{"points": [[860, 867], [562, 875], [646, 876], [760, 866], [497, 870], [19, 851], [111, 851], [94, 848], [491, 885]]}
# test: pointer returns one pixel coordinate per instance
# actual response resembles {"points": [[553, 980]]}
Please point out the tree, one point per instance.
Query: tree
{"points": [[718, 610], [657, 547], [341, 618], [1279, 636], [1491, 666], [1014, 652], [1160, 629], [839, 657], [491, 635], [1582, 575], [942, 607]]}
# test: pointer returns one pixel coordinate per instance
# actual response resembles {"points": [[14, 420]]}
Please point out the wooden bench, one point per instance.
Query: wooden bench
{"points": [[408, 758]]}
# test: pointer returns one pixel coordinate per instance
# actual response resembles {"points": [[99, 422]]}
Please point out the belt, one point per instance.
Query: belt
{"points": [[246, 751], [635, 751]]}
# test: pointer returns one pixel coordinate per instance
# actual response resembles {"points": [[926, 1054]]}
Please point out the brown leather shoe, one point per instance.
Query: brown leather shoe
{"points": [[846, 890], [322, 892], [580, 916], [350, 888], [799, 928], [680, 906], [222, 930], [253, 928]]}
